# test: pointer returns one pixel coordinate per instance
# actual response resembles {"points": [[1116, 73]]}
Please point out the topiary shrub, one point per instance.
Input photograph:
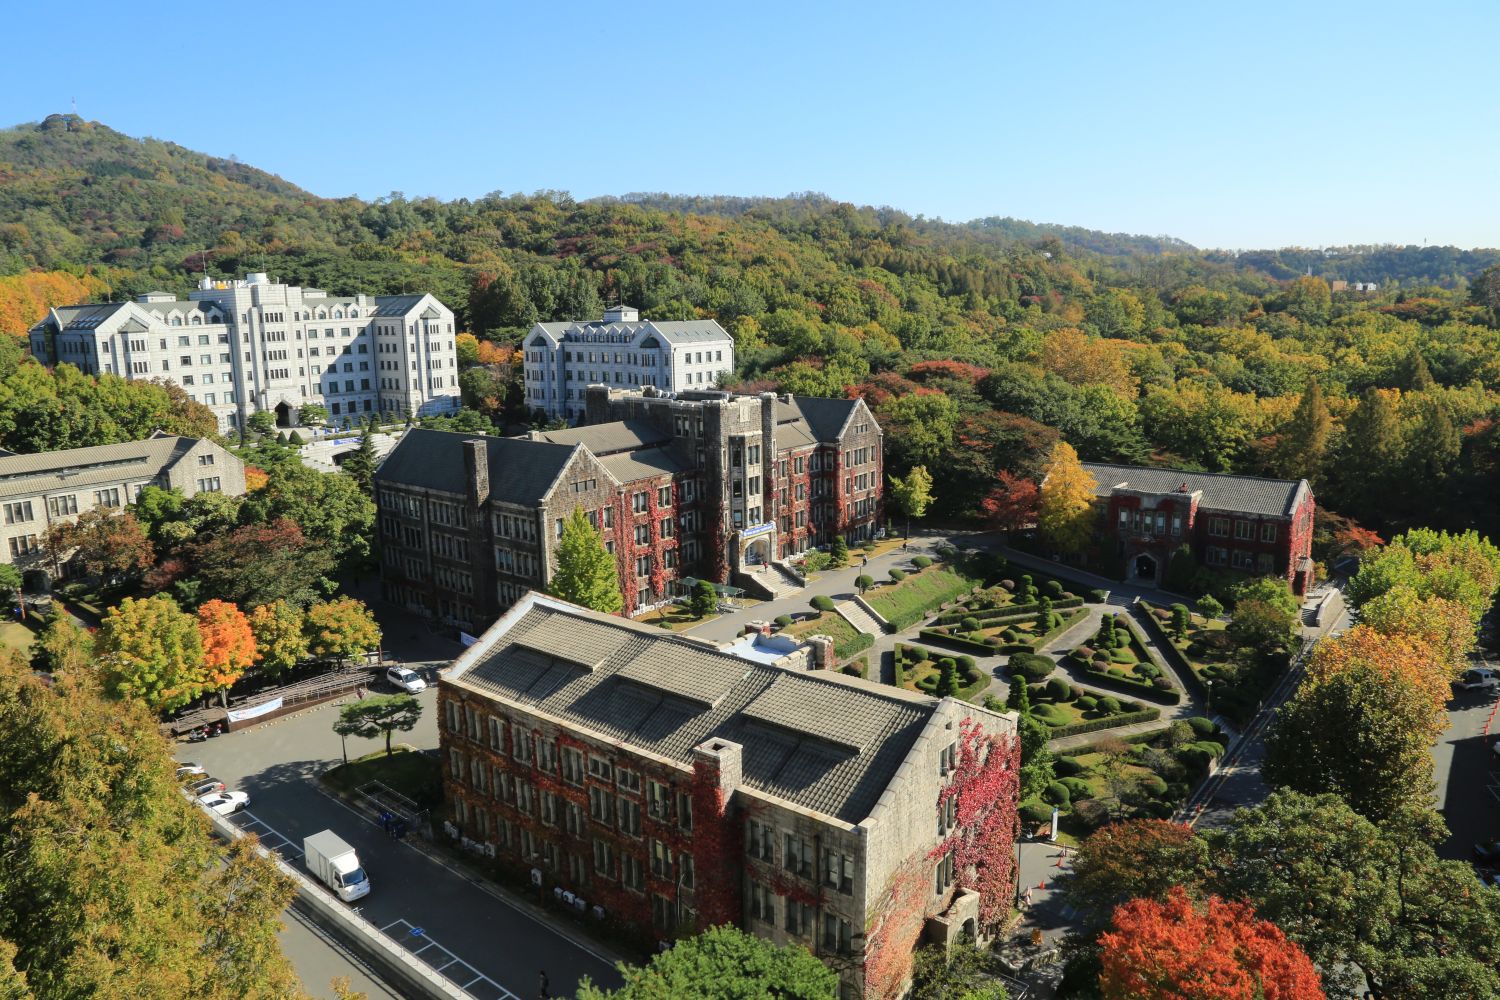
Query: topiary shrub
{"points": [[1202, 727], [1109, 706], [1035, 812], [917, 654], [1154, 786], [1147, 670], [1052, 588], [1057, 793], [921, 562], [783, 620], [1059, 689], [970, 624], [1007, 585], [1087, 702], [1161, 684], [1098, 596], [822, 603], [1031, 666], [897, 575]]}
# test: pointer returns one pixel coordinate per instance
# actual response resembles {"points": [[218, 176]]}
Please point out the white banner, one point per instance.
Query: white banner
{"points": [[254, 711]]}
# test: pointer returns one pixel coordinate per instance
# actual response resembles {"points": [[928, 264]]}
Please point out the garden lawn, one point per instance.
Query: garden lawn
{"points": [[16, 636], [410, 772], [673, 617], [966, 692], [847, 640], [913, 597]]}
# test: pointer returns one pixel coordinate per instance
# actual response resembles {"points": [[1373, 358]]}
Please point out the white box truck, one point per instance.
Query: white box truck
{"points": [[335, 864]]}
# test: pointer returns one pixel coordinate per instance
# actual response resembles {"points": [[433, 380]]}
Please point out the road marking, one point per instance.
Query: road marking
{"points": [[270, 839], [488, 988]]}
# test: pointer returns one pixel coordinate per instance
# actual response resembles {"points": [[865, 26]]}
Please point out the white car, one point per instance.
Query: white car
{"points": [[224, 802], [186, 771], [405, 679], [1479, 677]]}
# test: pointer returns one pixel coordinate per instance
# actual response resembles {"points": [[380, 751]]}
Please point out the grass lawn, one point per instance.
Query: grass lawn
{"points": [[673, 617], [829, 623], [413, 774], [912, 673], [16, 636], [909, 599]]}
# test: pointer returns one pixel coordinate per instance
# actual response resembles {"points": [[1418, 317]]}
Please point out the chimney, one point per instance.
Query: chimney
{"points": [[477, 467], [718, 762]]}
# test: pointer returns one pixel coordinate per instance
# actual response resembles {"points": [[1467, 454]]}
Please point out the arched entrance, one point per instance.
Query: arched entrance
{"points": [[283, 414], [758, 551], [1145, 567]]}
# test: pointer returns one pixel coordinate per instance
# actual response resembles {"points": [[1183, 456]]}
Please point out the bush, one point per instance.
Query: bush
{"points": [[1087, 702], [1007, 585], [1031, 666], [1209, 607], [784, 620], [1154, 786], [970, 624], [1147, 670], [822, 602], [1067, 767], [921, 562], [1098, 596], [897, 575], [1059, 689], [1049, 713], [864, 582], [1202, 727], [295, 440], [1052, 588], [1078, 789], [1057, 793], [1109, 705], [1035, 812]]}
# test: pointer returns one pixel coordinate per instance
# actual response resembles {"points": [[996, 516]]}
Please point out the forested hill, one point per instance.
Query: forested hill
{"points": [[978, 344]]}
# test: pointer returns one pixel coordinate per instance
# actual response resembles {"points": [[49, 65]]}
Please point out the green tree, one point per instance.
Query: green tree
{"points": [[912, 495], [723, 963], [965, 973], [110, 546], [379, 715], [360, 466], [1369, 454], [585, 571], [329, 508], [260, 564], [1361, 735], [1066, 513], [150, 649], [704, 600], [1266, 615], [1134, 859], [919, 429], [10, 583], [947, 684], [64, 645], [838, 552], [312, 414], [280, 639], [262, 422], [341, 629], [1302, 445]]}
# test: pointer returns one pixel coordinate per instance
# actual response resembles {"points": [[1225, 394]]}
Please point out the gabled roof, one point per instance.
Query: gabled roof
{"points": [[396, 305], [824, 418], [607, 439], [83, 317], [645, 463], [521, 471], [1235, 494], [825, 742], [690, 331], [22, 475]]}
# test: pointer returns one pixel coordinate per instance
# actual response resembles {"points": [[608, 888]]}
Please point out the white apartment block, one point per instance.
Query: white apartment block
{"points": [[243, 346], [38, 491], [621, 351]]}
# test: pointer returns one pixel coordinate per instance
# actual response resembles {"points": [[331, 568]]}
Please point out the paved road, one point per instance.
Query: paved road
{"points": [[1468, 775], [319, 960], [484, 944]]}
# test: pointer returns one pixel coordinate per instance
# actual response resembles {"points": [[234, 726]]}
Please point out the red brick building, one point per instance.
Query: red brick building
{"points": [[702, 484], [1260, 527], [661, 786]]}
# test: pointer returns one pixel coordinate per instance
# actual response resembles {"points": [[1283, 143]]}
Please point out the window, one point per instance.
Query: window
{"points": [[578, 873], [520, 743], [1244, 530], [664, 496], [551, 808], [628, 780], [663, 914], [1242, 559], [761, 841], [661, 859], [762, 902], [573, 819], [546, 755], [209, 485], [632, 872], [1268, 532], [572, 766], [601, 768], [16, 513], [798, 857], [643, 534], [685, 870], [1218, 527], [685, 810], [837, 934], [23, 545], [604, 858], [59, 506], [639, 502], [658, 799], [1265, 563], [107, 498], [601, 805], [799, 918], [630, 816], [944, 876], [838, 869]]}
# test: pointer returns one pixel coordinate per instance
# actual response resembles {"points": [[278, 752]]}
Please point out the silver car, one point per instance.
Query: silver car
{"points": [[406, 679]]}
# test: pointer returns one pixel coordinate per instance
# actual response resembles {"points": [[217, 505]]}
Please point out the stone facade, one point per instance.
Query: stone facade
{"points": [[710, 485], [38, 491], [243, 346], [717, 806], [621, 350]]}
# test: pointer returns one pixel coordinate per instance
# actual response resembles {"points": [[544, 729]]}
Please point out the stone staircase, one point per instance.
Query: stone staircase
{"points": [[766, 584], [859, 618]]}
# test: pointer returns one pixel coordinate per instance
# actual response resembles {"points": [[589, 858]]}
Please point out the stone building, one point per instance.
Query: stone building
{"points": [[621, 350], [711, 485], [1261, 527], [38, 491], [658, 784], [243, 346]]}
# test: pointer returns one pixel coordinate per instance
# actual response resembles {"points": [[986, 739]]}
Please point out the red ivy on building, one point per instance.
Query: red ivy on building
{"points": [[716, 851], [986, 784]]}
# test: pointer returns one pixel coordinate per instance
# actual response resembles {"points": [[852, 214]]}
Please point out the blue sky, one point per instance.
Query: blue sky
{"points": [[1225, 124]]}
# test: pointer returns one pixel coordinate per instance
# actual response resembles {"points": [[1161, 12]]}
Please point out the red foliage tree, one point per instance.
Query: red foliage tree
{"points": [[228, 644], [1011, 505], [1173, 950], [956, 370]]}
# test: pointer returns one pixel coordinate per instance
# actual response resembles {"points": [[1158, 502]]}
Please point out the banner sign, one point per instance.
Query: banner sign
{"points": [[254, 711]]}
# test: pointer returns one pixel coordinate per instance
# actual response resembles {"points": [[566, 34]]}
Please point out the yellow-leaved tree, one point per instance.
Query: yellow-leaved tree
{"points": [[1066, 512]]}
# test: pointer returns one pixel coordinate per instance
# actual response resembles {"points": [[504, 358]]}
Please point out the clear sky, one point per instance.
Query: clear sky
{"points": [[1228, 124]]}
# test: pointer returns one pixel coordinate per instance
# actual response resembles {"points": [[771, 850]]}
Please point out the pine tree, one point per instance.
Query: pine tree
{"points": [[1371, 450], [585, 569], [1415, 375], [1303, 442], [360, 466], [1066, 510]]}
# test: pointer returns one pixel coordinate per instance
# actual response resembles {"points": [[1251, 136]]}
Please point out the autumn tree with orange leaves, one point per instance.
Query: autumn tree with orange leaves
{"points": [[228, 645], [1174, 950], [1397, 657], [1012, 504]]}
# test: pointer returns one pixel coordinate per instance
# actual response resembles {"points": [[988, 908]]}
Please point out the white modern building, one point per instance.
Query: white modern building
{"points": [[621, 351], [242, 346]]}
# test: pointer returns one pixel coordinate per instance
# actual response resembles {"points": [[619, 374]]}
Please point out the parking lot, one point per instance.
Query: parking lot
{"points": [[1468, 774]]}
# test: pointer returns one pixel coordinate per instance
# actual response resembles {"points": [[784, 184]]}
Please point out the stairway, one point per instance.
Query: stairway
{"points": [[859, 618], [765, 585]]}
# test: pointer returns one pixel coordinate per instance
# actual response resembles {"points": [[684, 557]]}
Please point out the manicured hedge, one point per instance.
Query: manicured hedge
{"points": [[1005, 613], [1173, 655], [960, 642], [861, 642], [1094, 725], [1139, 689]]}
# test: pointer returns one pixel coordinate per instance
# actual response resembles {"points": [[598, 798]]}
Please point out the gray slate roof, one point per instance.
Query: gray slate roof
{"points": [[647, 463], [27, 475], [824, 742], [823, 418], [673, 331], [521, 471], [84, 317], [395, 305], [610, 438], [1236, 494]]}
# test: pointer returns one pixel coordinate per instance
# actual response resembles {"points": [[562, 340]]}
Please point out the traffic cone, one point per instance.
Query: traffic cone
{"points": [[1041, 885]]}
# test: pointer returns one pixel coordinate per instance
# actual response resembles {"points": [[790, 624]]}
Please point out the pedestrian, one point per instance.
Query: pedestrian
{"points": [[864, 561], [543, 987], [1026, 899]]}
